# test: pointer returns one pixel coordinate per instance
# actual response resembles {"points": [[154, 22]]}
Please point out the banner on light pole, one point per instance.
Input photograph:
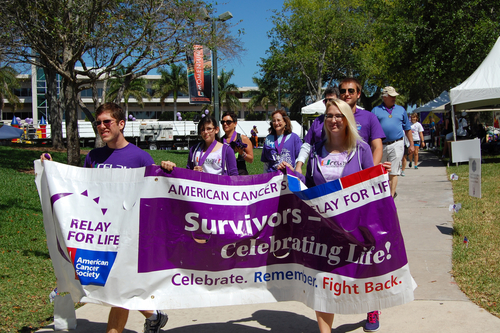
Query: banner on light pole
{"points": [[199, 64]]}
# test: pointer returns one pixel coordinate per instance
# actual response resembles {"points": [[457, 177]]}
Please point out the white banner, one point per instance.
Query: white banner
{"points": [[144, 239]]}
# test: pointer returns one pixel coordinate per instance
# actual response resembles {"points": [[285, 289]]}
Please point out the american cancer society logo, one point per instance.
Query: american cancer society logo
{"points": [[92, 267]]}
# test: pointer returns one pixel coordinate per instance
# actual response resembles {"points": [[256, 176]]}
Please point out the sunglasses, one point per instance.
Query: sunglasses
{"points": [[326, 100], [224, 122], [350, 90], [105, 122]]}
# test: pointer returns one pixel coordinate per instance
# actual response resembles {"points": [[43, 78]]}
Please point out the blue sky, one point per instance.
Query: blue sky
{"points": [[255, 16]]}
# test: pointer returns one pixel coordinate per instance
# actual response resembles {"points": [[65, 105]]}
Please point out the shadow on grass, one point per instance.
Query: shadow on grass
{"points": [[36, 253], [18, 159], [14, 203], [487, 160]]}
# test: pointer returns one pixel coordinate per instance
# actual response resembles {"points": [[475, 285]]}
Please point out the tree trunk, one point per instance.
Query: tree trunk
{"points": [[71, 112], [54, 105], [90, 116], [175, 109]]}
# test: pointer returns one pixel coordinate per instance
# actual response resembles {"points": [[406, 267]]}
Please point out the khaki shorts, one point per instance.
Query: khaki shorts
{"points": [[394, 153]]}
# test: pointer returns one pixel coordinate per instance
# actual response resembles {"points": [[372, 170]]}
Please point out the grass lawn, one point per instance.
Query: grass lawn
{"points": [[476, 268]]}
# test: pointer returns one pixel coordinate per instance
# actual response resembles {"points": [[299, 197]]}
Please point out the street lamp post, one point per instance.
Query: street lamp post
{"points": [[222, 17]]}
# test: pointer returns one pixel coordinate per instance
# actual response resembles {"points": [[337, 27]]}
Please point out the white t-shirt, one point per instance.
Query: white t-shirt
{"points": [[213, 163], [415, 130]]}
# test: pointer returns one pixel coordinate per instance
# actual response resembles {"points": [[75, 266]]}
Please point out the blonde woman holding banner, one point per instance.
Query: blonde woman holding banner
{"points": [[340, 154]]}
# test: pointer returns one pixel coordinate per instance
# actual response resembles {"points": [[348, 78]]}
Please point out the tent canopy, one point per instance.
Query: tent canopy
{"points": [[483, 86], [8, 132], [316, 107], [437, 105]]}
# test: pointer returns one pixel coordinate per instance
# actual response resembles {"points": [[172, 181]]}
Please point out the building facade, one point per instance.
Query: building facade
{"points": [[32, 95]]}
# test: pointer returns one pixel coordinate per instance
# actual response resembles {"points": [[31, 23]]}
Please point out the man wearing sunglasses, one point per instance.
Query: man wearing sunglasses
{"points": [[372, 133], [119, 153], [394, 121], [315, 133], [368, 125]]}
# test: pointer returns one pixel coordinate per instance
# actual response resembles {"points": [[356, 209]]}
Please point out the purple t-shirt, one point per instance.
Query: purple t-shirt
{"points": [[368, 126], [315, 133], [367, 123], [289, 152], [128, 157]]}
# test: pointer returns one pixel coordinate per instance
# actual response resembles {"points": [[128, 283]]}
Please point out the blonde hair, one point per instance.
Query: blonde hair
{"points": [[352, 135]]}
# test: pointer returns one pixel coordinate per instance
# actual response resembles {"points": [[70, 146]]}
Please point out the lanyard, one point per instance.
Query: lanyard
{"points": [[203, 157], [233, 136], [389, 111], [279, 147]]}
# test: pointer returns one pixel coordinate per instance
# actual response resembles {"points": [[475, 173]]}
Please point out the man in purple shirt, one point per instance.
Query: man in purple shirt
{"points": [[315, 133], [368, 125], [372, 133], [119, 153]]}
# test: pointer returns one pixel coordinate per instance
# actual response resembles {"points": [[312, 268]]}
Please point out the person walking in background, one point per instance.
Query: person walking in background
{"points": [[281, 144], [395, 123], [403, 162], [432, 130], [255, 138], [341, 153], [417, 131], [119, 153], [210, 155], [316, 132], [240, 144]]}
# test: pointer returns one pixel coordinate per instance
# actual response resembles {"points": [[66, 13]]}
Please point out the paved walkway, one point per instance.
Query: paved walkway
{"points": [[424, 196]]}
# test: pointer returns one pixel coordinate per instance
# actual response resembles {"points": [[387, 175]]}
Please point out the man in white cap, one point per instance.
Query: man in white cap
{"points": [[394, 121]]}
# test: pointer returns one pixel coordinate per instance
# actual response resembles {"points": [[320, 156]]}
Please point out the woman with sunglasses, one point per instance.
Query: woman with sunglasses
{"points": [[241, 144], [281, 145], [341, 153], [209, 155]]}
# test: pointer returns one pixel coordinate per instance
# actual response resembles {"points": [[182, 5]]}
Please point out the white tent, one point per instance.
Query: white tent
{"points": [[437, 105], [483, 86], [316, 107]]}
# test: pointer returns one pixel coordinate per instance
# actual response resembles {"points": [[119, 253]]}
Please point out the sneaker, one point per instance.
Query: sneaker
{"points": [[410, 164], [372, 322], [402, 173], [154, 326], [416, 167]]}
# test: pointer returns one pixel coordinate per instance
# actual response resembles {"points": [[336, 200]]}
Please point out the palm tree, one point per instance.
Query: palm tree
{"points": [[265, 96], [137, 89], [173, 81], [227, 92], [8, 82]]}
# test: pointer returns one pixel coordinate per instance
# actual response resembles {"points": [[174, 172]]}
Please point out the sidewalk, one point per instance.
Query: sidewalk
{"points": [[424, 196]]}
